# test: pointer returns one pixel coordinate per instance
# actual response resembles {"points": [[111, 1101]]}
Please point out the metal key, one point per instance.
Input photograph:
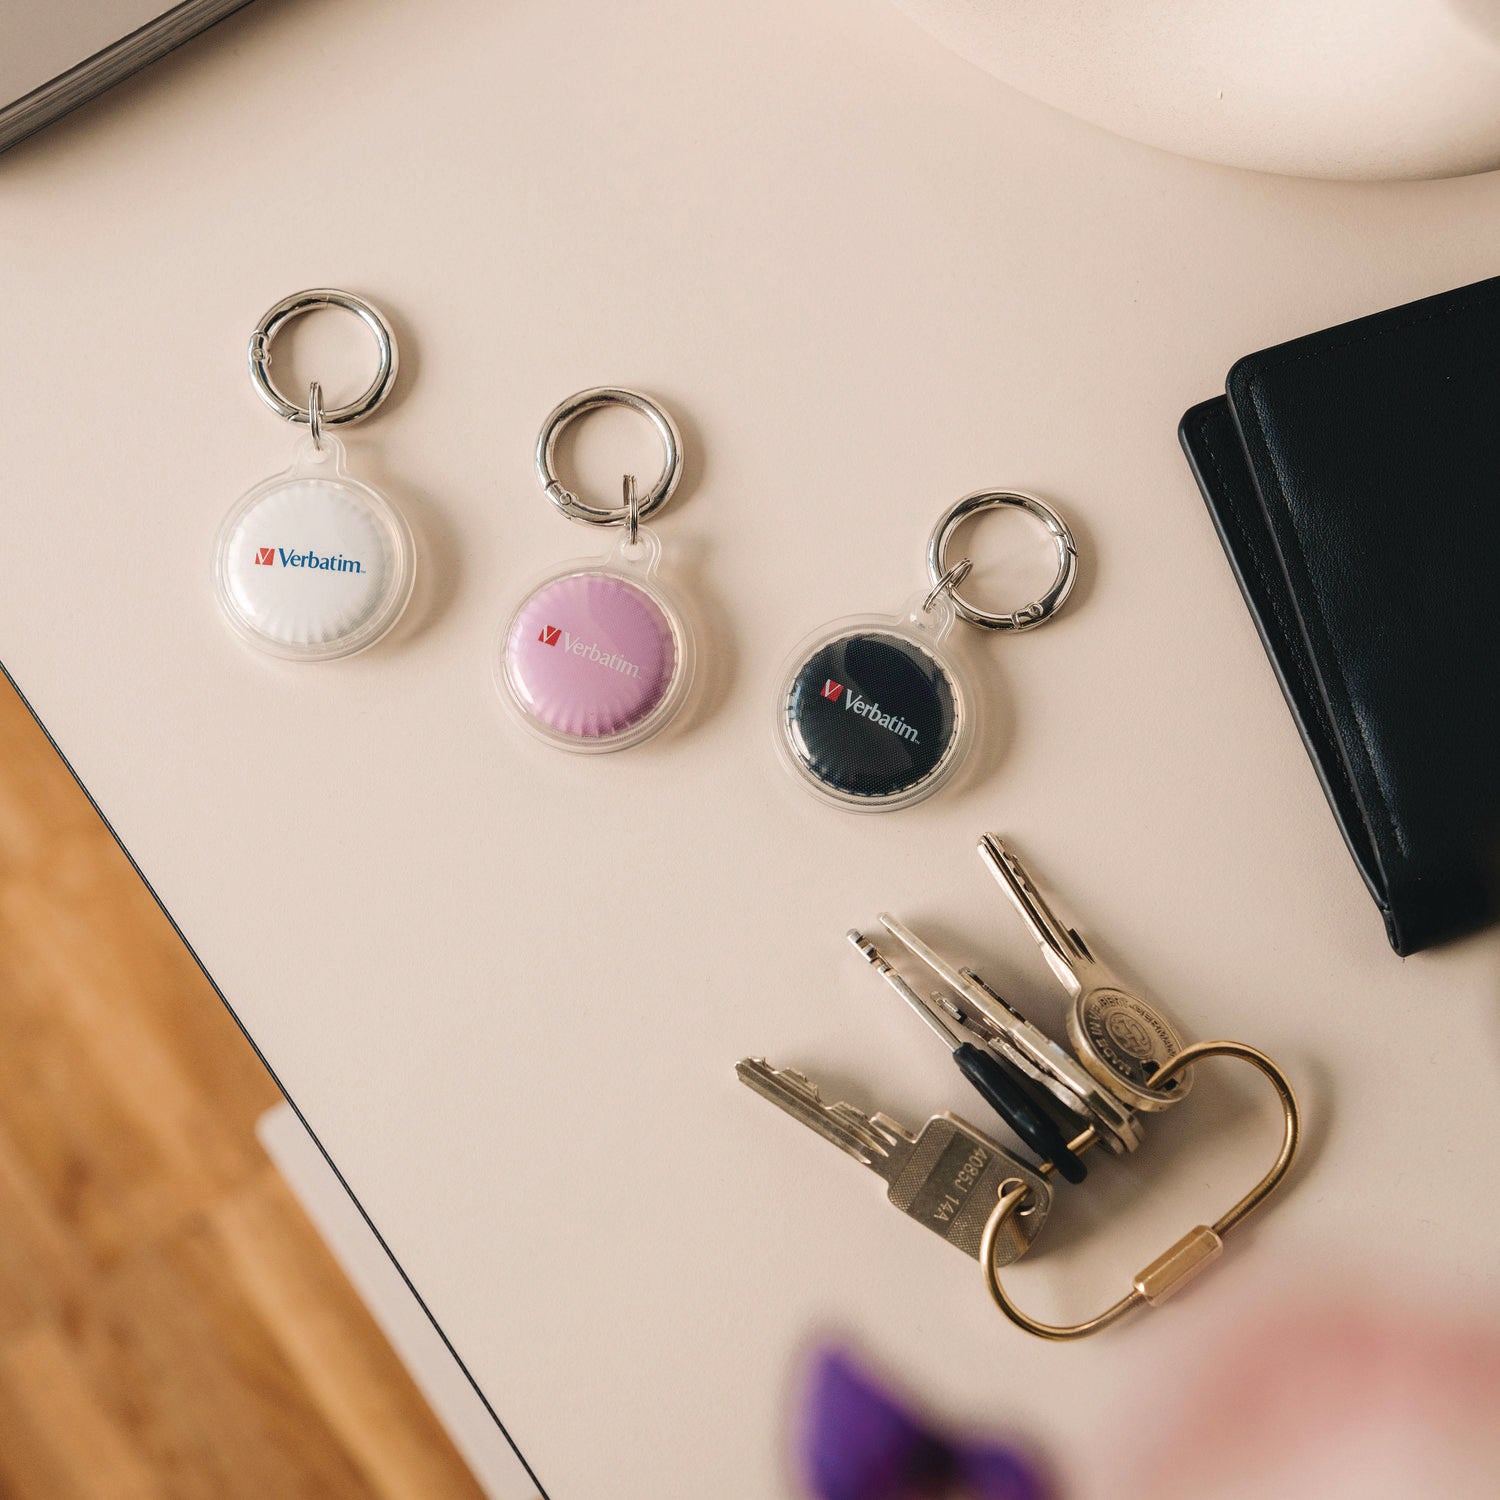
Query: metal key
{"points": [[997, 1084], [947, 1176], [1120, 1038], [1010, 1036]]}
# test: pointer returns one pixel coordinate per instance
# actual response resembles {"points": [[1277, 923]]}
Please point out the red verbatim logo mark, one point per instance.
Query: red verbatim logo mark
{"points": [[548, 635], [265, 556], [832, 690]]}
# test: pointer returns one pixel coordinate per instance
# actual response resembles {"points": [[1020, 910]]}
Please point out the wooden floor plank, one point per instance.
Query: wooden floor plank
{"points": [[169, 1333], [393, 1436], [56, 1439], [171, 1327], [43, 1269]]}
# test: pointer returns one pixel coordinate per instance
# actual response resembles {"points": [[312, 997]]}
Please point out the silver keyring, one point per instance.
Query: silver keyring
{"points": [[315, 414], [1062, 539], [949, 581], [294, 307], [632, 510], [591, 400]]}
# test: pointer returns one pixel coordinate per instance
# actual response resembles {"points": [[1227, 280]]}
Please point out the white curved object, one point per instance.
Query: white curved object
{"points": [[1315, 88]]}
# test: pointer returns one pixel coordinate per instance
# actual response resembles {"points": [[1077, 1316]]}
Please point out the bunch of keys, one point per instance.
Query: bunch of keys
{"points": [[1127, 1061]]}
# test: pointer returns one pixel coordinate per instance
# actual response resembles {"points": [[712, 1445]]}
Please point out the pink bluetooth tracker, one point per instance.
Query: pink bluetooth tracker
{"points": [[597, 655]]}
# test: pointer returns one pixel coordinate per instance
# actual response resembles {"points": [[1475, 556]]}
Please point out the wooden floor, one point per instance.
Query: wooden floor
{"points": [[170, 1323]]}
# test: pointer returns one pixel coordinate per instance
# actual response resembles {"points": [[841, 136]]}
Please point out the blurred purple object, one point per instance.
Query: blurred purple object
{"points": [[860, 1443]]}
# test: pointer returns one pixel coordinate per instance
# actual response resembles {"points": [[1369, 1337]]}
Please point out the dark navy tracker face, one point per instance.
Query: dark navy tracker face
{"points": [[871, 715]]}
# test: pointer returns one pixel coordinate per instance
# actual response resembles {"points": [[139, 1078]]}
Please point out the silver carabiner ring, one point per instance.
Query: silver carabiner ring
{"points": [[591, 400], [294, 307], [1028, 615]]}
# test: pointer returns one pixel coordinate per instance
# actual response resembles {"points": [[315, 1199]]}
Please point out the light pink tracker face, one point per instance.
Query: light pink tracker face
{"points": [[590, 655]]}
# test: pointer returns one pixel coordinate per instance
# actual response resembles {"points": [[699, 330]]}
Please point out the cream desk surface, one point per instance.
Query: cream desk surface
{"points": [[507, 986]]}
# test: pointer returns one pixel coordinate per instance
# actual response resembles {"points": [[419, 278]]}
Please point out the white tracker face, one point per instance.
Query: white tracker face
{"points": [[314, 566], [308, 563]]}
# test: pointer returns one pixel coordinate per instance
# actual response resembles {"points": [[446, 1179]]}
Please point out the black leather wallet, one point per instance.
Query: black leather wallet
{"points": [[1354, 478]]}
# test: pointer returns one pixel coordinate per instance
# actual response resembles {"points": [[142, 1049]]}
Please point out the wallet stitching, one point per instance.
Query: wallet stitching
{"points": [[1452, 305], [1288, 627], [1272, 595], [1398, 833]]}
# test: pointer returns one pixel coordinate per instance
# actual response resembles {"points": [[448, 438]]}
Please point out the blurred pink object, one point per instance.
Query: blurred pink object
{"points": [[1322, 1401]]}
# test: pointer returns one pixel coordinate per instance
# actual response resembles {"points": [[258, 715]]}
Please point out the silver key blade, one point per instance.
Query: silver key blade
{"points": [[1066, 953], [937, 1017], [1004, 1042], [1072, 1085], [976, 1000], [876, 1142], [1013, 1039]]}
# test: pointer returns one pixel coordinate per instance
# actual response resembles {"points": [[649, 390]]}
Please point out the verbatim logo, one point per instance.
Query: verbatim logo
{"points": [[854, 704], [334, 562], [832, 689], [550, 635]]}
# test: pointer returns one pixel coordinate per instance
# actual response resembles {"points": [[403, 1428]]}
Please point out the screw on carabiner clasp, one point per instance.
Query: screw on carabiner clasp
{"points": [[1194, 1252]]}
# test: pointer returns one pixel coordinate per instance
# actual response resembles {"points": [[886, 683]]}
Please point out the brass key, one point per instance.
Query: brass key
{"points": [[947, 1176]]}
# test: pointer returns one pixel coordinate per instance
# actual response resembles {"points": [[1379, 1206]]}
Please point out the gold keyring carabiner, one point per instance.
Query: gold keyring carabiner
{"points": [[1194, 1252]]}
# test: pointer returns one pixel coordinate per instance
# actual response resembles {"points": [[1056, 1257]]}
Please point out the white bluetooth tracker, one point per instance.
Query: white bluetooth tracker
{"points": [[311, 564]]}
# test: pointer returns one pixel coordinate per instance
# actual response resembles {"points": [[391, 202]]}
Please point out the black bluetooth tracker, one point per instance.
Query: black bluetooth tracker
{"points": [[872, 717], [874, 713]]}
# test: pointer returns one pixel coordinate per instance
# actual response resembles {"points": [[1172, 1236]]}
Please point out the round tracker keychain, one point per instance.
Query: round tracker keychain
{"points": [[875, 712], [312, 564], [598, 656]]}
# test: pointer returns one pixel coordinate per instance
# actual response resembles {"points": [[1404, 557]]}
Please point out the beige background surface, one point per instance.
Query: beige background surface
{"points": [[508, 986]]}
